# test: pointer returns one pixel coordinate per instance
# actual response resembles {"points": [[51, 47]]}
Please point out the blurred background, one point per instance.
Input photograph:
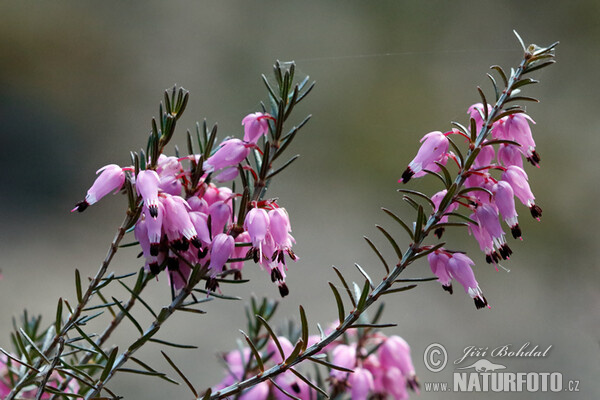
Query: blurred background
{"points": [[80, 82]]}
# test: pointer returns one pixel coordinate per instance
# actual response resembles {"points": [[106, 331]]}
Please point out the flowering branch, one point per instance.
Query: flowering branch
{"points": [[534, 58]]}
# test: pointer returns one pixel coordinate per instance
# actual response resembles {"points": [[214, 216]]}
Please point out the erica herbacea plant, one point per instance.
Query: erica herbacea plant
{"points": [[198, 217]]}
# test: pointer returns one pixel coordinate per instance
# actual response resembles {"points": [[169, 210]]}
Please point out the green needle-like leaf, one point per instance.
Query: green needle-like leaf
{"points": [[402, 289], [340, 304], [109, 363], [376, 251], [78, 285], [398, 220], [364, 273], [181, 375], [297, 350], [345, 284], [304, 326], [364, 295], [255, 352], [272, 334]]}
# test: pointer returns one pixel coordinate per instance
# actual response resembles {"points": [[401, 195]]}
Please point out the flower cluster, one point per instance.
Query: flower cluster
{"points": [[183, 223], [488, 198], [8, 375], [384, 372]]}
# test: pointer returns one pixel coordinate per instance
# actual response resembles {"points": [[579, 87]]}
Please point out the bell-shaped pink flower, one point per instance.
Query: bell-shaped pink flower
{"points": [[459, 267], [394, 383], [509, 154], [434, 147], [476, 112], [220, 252], [255, 125], [518, 180], [179, 272], [286, 346], [361, 384], [485, 157], [170, 184], [231, 152], [504, 199], [228, 174], [220, 215], [177, 223], [438, 261], [154, 223], [257, 392], [257, 225], [141, 235], [146, 184], [280, 228], [486, 216], [437, 200], [343, 356], [168, 166], [516, 127], [293, 385], [199, 220], [111, 178], [198, 204], [395, 352], [240, 252]]}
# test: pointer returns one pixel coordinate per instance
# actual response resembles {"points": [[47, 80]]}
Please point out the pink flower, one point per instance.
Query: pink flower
{"points": [[220, 215], [141, 235], [485, 157], [221, 251], [179, 272], [459, 266], [255, 125], [518, 180], [509, 154], [154, 223], [361, 383], [257, 225], [240, 252], [199, 220], [437, 200], [516, 127], [394, 383], [395, 352], [146, 184], [280, 228], [486, 216], [231, 152], [505, 201], [228, 174], [434, 147], [293, 385], [438, 261], [257, 392], [476, 112], [177, 223], [286, 346], [111, 178], [343, 356]]}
